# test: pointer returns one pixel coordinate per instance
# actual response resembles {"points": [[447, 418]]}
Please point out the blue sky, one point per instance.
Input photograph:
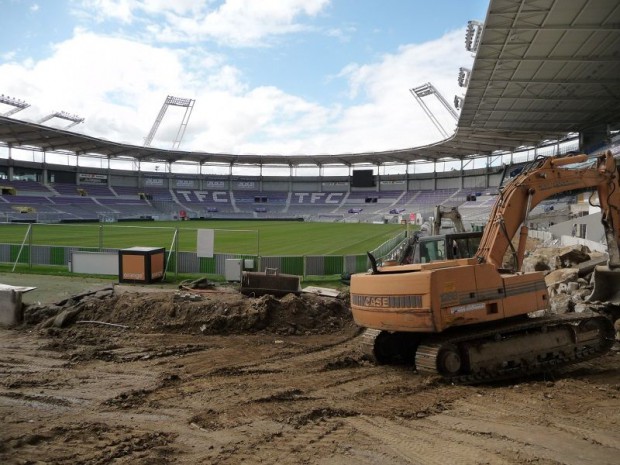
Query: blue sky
{"points": [[268, 76]]}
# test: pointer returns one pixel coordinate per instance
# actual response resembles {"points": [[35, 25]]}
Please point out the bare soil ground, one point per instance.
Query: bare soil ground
{"points": [[226, 379]]}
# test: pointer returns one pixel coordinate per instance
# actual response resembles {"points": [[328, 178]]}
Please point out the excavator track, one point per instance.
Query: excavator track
{"points": [[367, 343], [506, 350], [385, 348], [516, 349]]}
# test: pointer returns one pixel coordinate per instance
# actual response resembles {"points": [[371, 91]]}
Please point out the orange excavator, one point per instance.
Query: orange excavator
{"points": [[467, 319]]}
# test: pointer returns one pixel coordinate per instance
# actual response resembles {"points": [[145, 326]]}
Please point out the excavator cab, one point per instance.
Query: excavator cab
{"points": [[448, 246]]}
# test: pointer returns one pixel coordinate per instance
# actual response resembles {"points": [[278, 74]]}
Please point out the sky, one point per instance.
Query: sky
{"points": [[266, 76]]}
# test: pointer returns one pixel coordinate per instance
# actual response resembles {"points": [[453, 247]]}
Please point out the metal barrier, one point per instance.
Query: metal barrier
{"points": [[190, 263], [390, 245], [32, 253]]}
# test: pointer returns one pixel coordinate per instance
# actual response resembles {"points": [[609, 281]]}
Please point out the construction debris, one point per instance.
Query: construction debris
{"points": [[204, 312], [269, 282], [322, 291], [570, 281]]}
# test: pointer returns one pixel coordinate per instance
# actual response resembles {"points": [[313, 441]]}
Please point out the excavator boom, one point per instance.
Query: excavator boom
{"points": [[548, 177]]}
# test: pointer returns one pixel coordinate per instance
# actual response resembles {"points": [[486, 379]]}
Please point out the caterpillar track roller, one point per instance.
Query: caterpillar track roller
{"points": [[467, 320]]}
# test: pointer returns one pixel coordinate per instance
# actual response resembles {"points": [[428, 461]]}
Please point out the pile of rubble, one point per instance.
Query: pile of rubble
{"points": [[569, 275], [221, 310]]}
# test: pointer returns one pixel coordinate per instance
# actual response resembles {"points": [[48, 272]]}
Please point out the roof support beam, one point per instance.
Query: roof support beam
{"points": [[613, 27]]}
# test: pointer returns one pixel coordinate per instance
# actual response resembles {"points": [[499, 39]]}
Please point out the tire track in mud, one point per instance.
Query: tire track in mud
{"points": [[303, 439], [225, 370], [316, 412], [539, 427], [309, 419], [307, 443], [273, 393], [414, 442], [308, 399], [420, 443], [84, 442], [533, 442]]}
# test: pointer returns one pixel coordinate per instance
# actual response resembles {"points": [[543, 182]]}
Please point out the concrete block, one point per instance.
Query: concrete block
{"points": [[11, 311]]}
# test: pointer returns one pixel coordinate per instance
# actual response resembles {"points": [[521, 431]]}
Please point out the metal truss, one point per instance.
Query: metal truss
{"points": [[428, 89], [75, 119], [18, 104], [188, 104]]}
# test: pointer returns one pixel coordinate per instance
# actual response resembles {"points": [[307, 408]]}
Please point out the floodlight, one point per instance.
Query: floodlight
{"points": [[473, 35], [464, 74], [458, 102], [75, 119], [17, 103]]}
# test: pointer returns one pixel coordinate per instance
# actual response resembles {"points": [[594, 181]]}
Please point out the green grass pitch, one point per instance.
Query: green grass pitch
{"points": [[265, 238]]}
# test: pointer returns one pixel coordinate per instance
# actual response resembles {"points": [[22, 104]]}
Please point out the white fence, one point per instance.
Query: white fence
{"points": [[546, 236]]}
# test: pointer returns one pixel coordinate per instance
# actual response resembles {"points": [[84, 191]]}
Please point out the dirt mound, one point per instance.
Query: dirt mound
{"points": [[207, 313]]}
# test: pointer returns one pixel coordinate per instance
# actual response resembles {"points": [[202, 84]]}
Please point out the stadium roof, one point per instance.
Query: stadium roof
{"points": [[544, 69]]}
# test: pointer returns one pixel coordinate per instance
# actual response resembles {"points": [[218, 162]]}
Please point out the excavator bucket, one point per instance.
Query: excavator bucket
{"points": [[606, 285], [271, 282]]}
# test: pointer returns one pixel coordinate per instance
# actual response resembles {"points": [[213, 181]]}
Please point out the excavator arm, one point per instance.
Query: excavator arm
{"points": [[451, 214], [548, 177], [609, 198]]}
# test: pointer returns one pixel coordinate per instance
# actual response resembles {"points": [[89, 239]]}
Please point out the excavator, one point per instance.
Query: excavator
{"points": [[467, 320]]}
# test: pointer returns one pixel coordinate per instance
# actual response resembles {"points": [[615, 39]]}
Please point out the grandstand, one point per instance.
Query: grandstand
{"points": [[33, 201], [539, 98]]}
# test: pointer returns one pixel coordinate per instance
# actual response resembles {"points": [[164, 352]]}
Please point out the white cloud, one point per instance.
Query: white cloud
{"points": [[387, 117], [119, 86], [8, 56], [100, 78], [390, 117], [233, 22], [227, 79], [176, 6], [34, 8], [247, 22], [126, 10], [343, 34], [100, 10]]}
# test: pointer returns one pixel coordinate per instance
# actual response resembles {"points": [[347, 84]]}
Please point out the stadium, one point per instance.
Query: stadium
{"points": [[457, 360], [530, 93]]}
